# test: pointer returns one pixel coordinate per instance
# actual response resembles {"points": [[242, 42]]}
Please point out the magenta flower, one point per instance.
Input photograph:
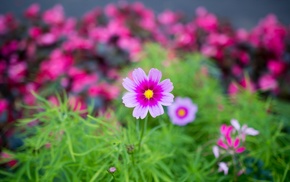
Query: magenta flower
{"points": [[147, 93], [268, 82], [228, 142], [182, 111]]}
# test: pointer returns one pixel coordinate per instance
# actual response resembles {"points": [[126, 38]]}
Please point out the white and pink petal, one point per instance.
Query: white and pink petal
{"points": [[154, 75]]}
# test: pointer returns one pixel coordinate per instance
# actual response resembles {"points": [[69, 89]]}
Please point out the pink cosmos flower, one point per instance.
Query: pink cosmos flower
{"points": [[182, 111], [147, 93]]}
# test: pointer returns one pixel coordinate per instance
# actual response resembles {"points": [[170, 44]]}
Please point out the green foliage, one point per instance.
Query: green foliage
{"points": [[69, 146]]}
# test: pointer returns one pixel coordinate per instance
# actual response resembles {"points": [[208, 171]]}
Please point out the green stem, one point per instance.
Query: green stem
{"points": [[142, 132], [235, 168], [133, 158]]}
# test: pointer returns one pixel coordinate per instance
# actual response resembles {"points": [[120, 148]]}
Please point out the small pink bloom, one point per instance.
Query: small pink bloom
{"points": [[3, 105], [132, 45], [17, 71], [215, 151], [233, 89], [209, 50], [206, 20], [242, 35], [53, 100], [47, 39], [223, 167], [77, 104], [3, 25], [267, 82], [54, 15], [8, 159], [32, 11], [168, 17], [276, 67], [247, 84], [237, 70], [35, 32], [182, 111]]}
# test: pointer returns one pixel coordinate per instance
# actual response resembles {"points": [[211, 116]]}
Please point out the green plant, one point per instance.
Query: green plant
{"points": [[66, 145]]}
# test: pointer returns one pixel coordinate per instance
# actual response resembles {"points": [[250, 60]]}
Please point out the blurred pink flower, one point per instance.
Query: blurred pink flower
{"points": [[233, 89], [242, 35], [81, 82], [132, 45], [35, 32], [77, 43], [237, 70], [104, 34], [8, 159], [77, 104], [47, 39], [54, 16], [3, 25], [57, 65], [267, 82], [17, 71], [206, 20], [219, 39], [215, 150], [32, 11], [276, 67], [182, 111], [244, 130], [3, 105], [223, 167], [209, 51], [247, 84], [53, 100], [168, 17]]}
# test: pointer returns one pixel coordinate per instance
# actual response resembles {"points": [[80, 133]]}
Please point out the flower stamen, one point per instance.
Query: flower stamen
{"points": [[181, 112], [148, 94]]}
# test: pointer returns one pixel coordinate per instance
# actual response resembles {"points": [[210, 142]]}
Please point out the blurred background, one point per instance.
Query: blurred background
{"points": [[241, 13]]}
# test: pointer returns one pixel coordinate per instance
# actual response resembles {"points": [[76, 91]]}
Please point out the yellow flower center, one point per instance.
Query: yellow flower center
{"points": [[148, 94], [181, 112]]}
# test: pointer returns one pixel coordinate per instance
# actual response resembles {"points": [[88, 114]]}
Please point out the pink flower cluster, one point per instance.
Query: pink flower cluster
{"points": [[231, 141]]}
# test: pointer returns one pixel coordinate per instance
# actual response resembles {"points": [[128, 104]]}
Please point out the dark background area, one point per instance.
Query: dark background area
{"points": [[241, 13]]}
